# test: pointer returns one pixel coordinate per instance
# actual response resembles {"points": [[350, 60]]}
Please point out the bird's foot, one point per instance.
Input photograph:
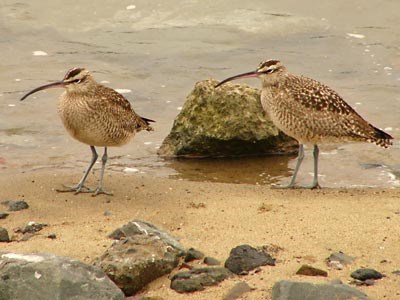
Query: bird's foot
{"points": [[75, 189], [284, 186], [314, 186], [99, 190]]}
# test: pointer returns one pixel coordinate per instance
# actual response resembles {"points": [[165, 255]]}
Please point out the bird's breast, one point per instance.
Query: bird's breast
{"points": [[91, 124]]}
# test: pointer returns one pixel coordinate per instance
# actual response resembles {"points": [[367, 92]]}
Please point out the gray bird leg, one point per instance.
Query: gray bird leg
{"points": [[99, 189], [315, 184], [300, 158], [80, 187]]}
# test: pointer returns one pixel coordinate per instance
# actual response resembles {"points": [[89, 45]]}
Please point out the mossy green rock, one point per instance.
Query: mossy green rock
{"points": [[226, 121]]}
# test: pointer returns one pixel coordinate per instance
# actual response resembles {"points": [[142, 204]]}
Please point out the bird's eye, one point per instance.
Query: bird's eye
{"points": [[269, 71], [77, 81]]}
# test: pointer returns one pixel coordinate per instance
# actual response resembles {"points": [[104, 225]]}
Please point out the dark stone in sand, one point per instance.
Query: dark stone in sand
{"points": [[225, 121], [211, 261], [4, 237], [245, 258], [52, 236], [139, 227], [311, 271], [143, 254], [292, 290], [3, 215], [396, 272], [238, 290], [46, 276], [15, 205], [193, 254], [198, 279], [365, 273], [32, 227], [341, 257]]}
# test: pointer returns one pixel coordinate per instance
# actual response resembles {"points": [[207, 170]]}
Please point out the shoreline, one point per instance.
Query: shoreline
{"points": [[214, 218]]}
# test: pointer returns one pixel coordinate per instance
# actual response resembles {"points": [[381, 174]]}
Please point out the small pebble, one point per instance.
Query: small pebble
{"points": [[3, 215], [4, 237], [211, 261], [311, 271], [15, 205], [52, 236]]}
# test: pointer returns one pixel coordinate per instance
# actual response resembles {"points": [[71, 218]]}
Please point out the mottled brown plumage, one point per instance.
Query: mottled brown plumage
{"points": [[310, 112], [95, 115]]}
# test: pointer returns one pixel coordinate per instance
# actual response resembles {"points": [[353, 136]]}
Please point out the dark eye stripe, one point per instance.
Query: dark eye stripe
{"points": [[268, 63], [72, 73]]}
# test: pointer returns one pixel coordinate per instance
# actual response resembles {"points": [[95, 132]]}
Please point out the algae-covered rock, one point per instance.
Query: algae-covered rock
{"points": [[224, 122]]}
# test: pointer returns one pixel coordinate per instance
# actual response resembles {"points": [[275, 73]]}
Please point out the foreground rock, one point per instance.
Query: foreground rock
{"points": [[198, 279], [245, 258], [338, 260], [237, 291], [365, 274], [311, 271], [143, 254], [291, 290], [227, 121], [4, 237], [15, 205], [46, 276]]}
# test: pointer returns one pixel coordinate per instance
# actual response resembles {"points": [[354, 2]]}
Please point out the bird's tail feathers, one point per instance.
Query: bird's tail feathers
{"points": [[381, 138]]}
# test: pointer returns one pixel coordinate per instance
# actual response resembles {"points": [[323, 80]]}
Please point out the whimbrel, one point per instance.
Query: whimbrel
{"points": [[310, 112], [95, 115]]}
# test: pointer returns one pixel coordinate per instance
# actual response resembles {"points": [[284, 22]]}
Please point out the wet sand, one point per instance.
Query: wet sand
{"points": [[307, 225]]}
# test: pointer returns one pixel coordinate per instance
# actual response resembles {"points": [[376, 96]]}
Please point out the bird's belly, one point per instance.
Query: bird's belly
{"points": [[92, 129], [297, 123]]}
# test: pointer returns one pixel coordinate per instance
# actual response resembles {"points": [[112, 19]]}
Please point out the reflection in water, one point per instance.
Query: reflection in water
{"points": [[160, 49], [254, 170]]}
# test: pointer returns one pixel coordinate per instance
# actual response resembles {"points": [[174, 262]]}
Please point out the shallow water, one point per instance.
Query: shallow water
{"points": [[156, 50]]}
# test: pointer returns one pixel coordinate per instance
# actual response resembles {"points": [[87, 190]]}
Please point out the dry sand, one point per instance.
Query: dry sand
{"points": [[307, 225]]}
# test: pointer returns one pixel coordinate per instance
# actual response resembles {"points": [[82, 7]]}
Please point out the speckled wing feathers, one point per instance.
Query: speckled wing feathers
{"points": [[120, 109], [329, 114]]}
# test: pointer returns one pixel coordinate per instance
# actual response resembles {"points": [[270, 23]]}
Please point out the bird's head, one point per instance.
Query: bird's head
{"points": [[76, 80], [268, 71]]}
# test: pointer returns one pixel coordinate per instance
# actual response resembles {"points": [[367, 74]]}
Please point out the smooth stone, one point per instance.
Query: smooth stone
{"points": [[15, 205], [292, 290], [4, 237], [340, 257], [198, 279], [238, 290], [245, 258], [3, 215], [211, 261], [193, 254], [311, 271], [42, 276], [366, 273]]}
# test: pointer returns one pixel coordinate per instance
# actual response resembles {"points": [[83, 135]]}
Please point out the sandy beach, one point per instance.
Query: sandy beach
{"points": [[304, 226]]}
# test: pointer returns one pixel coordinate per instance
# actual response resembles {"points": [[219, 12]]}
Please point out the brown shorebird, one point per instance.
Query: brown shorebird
{"points": [[310, 112], [95, 115]]}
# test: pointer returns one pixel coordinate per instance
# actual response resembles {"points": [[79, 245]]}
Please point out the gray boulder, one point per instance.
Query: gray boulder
{"points": [[4, 235], [198, 279], [226, 121], [245, 258], [143, 254], [46, 276], [291, 290]]}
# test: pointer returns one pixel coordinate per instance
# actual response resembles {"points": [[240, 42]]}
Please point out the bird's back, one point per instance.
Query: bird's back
{"points": [[313, 113]]}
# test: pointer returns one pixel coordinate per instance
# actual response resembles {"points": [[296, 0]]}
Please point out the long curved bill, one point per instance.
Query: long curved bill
{"points": [[244, 75], [44, 87]]}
